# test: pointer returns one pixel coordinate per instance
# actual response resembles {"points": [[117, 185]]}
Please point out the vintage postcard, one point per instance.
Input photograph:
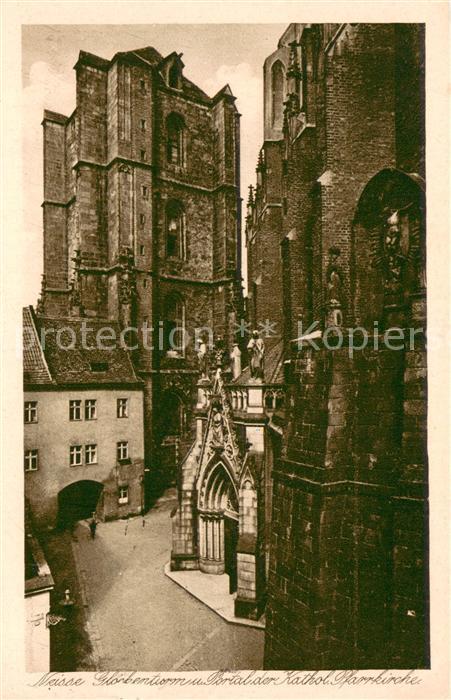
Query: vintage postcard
{"points": [[225, 304]]}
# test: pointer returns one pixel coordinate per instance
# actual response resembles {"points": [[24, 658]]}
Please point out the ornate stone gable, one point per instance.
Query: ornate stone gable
{"points": [[220, 438]]}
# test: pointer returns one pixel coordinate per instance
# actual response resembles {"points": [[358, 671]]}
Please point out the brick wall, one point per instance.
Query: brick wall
{"points": [[347, 583]]}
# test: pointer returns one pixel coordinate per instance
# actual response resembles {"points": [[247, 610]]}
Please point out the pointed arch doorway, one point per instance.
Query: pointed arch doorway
{"points": [[218, 523]]}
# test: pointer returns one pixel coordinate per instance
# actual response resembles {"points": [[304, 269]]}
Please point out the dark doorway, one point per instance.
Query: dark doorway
{"points": [[230, 543], [77, 502]]}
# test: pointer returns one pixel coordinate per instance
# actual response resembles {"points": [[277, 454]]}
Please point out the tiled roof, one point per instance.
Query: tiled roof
{"points": [[272, 367], [149, 54], [35, 367], [77, 358]]}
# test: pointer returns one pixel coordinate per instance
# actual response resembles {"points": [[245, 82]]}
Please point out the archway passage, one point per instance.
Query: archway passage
{"points": [[78, 501]]}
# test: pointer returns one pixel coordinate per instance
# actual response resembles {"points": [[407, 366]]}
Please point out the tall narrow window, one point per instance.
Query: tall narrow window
{"points": [[277, 94], [75, 410], [123, 495], [75, 456], [175, 128], [90, 409], [31, 460], [31, 412], [175, 230], [122, 450], [122, 408], [174, 325], [91, 454]]}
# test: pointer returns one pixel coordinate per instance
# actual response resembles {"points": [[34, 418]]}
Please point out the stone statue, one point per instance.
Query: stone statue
{"points": [[392, 248], [217, 423], [256, 348], [235, 356], [202, 357], [220, 354]]}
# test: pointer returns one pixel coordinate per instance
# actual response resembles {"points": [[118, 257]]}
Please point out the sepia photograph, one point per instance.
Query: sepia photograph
{"points": [[223, 352], [225, 378]]}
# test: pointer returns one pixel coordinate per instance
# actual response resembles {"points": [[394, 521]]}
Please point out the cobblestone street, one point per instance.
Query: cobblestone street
{"points": [[137, 618]]}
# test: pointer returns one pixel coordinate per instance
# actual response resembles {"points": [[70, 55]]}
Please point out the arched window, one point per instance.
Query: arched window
{"points": [[172, 418], [174, 325], [175, 128], [277, 93], [175, 230]]}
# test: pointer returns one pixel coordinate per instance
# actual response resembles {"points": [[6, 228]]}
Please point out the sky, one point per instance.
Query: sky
{"points": [[213, 54]]}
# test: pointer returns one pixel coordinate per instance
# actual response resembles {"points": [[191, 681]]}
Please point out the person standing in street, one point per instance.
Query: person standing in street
{"points": [[93, 526]]}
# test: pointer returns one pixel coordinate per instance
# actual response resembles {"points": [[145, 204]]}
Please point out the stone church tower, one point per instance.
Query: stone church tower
{"points": [[142, 223]]}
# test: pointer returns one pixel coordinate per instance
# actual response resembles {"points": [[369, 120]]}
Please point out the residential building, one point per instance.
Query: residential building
{"points": [[83, 424]]}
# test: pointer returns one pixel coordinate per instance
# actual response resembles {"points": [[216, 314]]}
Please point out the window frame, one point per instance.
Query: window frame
{"points": [[73, 451], [30, 457], [88, 408], [119, 449], [30, 409], [119, 404], [91, 450], [75, 404], [123, 500]]}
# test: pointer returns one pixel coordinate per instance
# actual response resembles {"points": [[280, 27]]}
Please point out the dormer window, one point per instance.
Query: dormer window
{"points": [[174, 78]]}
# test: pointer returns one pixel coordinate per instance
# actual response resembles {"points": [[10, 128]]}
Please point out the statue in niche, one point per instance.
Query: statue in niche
{"points": [[392, 248], [256, 348], [217, 423]]}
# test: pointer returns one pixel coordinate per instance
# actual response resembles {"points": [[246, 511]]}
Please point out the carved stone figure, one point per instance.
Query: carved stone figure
{"points": [[235, 356], [256, 347], [217, 422], [202, 357], [220, 354], [392, 248]]}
